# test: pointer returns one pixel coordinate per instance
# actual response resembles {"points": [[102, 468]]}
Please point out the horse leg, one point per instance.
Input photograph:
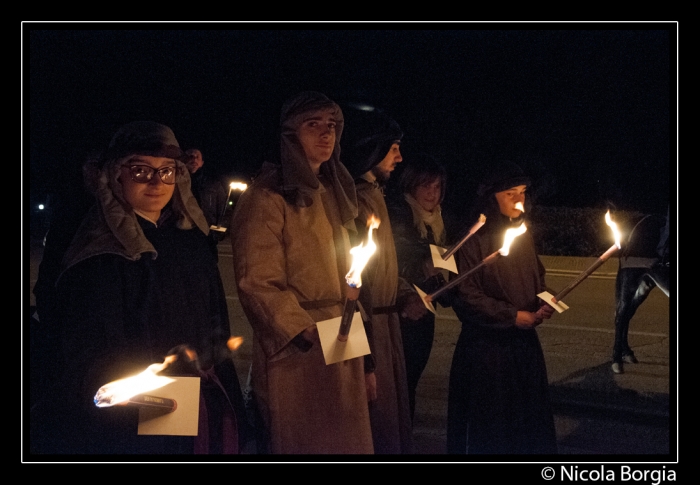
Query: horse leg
{"points": [[660, 274], [632, 286]]}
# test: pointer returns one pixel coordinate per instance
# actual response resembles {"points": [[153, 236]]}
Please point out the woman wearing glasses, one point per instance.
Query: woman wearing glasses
{"points": [[138, 283]]}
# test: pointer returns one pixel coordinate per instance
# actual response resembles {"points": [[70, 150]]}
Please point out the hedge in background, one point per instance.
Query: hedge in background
{"points": [[562, 231]]}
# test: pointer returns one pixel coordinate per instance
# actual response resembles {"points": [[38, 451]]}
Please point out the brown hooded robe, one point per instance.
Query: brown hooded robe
{"points": [[290, 246]]}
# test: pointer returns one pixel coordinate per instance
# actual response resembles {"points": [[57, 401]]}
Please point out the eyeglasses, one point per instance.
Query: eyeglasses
{"points": [[143, 174]]}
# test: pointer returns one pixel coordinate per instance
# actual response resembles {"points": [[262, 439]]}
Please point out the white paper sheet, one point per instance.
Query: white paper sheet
{"points": [[438, 262], [559, 306], [184, 421], [337, 351], [427, 304]]}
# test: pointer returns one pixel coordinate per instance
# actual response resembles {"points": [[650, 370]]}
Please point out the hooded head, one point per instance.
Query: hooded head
{"points": [[293, 157], [298, 178], [156, 140], [369, 135], [501, 177], [113, 226]]}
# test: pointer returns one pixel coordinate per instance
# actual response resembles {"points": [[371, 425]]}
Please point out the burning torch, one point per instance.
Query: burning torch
{"points": [[510, 235], [472, 231], [602, 259], [130, 391], [360, 257]]}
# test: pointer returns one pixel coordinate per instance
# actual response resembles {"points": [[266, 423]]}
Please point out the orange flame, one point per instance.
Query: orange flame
{"points": [[234, 342], [519, 206], [123, 389], [361, 254], [613, 226], [511, 234]]}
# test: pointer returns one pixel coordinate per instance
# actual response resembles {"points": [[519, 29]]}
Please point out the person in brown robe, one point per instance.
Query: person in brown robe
{"points": [[371, 151], [291, 247]]}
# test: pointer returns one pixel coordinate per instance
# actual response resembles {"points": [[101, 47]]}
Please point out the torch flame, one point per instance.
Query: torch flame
{"points": [[361, 254], [613, 226], [511, 234], [123, 389], [519, 206], [234, 342]]}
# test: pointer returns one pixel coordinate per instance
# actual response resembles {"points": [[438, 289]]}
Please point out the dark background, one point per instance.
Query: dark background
{"points": [[588, 109]]}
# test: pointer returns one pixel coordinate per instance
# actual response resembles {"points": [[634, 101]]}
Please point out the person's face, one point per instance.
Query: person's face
{"points": [[384, 168], [508, 198], [317, 136], [194, 160], [428, 194], [150, 197]]}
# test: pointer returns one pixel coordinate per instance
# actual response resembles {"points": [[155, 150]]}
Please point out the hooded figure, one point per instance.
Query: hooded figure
{"points": [[112, 225], [138, 282], [371, 150], [291, 248], [369, 137], [498, 399]]}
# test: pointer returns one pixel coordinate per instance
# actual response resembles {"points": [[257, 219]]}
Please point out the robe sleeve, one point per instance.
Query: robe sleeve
{"points": [[260, 265], [481, 300]]}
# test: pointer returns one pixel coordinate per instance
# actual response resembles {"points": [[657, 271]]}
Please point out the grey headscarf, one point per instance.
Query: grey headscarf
{"points": [[111, 225]]}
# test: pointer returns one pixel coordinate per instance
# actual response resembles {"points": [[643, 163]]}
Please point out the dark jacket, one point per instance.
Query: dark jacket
{"points": [[211, 196], [413, 251]]}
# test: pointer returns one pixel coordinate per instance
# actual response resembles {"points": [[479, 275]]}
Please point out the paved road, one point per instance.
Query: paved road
{"points": [[597, 412]]}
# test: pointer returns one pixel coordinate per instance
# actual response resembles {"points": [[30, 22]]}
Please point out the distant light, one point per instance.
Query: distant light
{"points": [[361, 106], [238, 186], [41, 207]]}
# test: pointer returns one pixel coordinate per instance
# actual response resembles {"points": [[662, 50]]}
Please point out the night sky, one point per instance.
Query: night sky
{"points": [[589, 110]]}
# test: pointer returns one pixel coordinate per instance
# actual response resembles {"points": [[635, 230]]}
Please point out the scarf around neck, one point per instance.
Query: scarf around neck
{"points": [[423, 218]]}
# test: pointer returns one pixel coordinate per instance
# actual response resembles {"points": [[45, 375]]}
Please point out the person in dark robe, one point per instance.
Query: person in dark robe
{"points": [[138, 284], [498, 401]]}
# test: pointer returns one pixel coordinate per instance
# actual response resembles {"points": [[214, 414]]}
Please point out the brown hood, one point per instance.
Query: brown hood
{"points": [[298, 180]]}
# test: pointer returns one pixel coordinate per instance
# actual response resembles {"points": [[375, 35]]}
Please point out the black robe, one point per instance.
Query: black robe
{"points": [[498, 396], [118, 317]]}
